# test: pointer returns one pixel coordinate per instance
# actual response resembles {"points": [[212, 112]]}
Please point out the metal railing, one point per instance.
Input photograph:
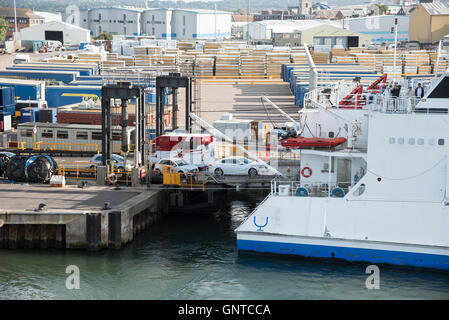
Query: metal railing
{"points": [[315, 189], [364, 101]]}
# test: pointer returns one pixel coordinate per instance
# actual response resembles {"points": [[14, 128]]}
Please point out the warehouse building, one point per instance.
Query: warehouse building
{"points": [[429, 22], [186, 24], [324, 36], [264, 30], [114, 20], [57, 31], [162, 23], [378, 28]]}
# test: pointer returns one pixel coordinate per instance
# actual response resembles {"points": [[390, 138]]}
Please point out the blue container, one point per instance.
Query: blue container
{"points": [[300, 93], [83, 71], [25, 89], [65, 77], [10, 109], [35, 112], [26, 115], [7, 95], [63, 95]]}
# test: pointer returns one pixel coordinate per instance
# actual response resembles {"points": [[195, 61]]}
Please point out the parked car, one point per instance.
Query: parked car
{"points": [[118, 161], [177, 165], [238, 166]]}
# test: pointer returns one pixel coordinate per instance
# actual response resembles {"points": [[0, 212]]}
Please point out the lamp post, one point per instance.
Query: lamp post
{"points": [[395, 47], [15, 20]]}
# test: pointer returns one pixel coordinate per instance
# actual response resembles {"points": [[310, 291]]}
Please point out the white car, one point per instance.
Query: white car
{"points": [[177, 165], [118, 162], [238, 166]]}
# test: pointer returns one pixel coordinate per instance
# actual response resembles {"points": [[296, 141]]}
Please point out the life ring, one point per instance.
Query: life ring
{"points": [[112, 178], [338, 193], [302, 192], [306, 172], [143, 174]]}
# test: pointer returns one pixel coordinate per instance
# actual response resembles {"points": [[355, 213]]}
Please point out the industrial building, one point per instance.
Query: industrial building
{"points": [[263, 30], [378, 28], [429, 22], [114, 20], [57, 31], [162, 23], [325, 36]]}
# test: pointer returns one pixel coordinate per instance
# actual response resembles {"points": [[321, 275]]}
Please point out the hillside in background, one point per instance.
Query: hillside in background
{"points": [[227, 5]]}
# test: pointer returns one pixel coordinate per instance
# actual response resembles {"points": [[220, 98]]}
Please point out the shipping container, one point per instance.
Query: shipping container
{"points": [[64, 95], [83, 71], [29, 115], [25, 89], [7, 96], [47, 115], [51, 76], [8, 109]]}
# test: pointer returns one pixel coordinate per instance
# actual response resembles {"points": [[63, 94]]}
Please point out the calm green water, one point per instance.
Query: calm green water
{"points": [[194, 257]]}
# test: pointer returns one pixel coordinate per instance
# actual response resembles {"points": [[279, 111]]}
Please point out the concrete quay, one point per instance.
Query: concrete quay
{"points": [[75, 218]]}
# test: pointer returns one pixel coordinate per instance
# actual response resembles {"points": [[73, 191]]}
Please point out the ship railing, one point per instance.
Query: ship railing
{"points": [[314, 189], [375, 102]]}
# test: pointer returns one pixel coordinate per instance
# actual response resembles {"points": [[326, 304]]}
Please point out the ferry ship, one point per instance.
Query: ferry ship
{"points": [[382, 197]]}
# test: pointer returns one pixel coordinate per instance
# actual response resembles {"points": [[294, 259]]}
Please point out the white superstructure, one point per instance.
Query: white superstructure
{"points": [[383, 198]]}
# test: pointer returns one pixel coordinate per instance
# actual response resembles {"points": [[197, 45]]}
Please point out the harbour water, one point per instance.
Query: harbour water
{"points": [[194, 257]]}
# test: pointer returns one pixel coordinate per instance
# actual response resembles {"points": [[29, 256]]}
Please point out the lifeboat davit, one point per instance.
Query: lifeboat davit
{"points": [[301, 142]]}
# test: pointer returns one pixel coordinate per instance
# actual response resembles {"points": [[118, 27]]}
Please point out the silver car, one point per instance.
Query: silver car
{"points": [[177, 165]]}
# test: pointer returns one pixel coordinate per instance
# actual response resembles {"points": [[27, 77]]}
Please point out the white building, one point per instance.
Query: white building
{"points": [[263, 30], [49, 16], [185, 24], [378, 28], [56, 30], [114, 20], [157, 22], [163, 23]]}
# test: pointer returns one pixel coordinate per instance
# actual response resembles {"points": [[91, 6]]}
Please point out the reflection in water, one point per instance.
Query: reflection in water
{"points": [[193, 256]]}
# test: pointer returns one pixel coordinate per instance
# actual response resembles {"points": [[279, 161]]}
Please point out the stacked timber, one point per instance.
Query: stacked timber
{"points": [[227, 64], [275, 60], [186, 63], [204, 65], [252, 64], [320, 57]]}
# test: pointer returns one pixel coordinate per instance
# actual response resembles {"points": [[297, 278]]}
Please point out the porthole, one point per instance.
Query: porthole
{"points": [[431, 142], [420, 141], [441, 142], [411, 141], [400, 140], [392, 140]]}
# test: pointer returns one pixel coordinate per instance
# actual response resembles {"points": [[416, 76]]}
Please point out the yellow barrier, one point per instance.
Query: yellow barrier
{"points": [[77, 173], [16, 145], [58, 146], [189, 180]]}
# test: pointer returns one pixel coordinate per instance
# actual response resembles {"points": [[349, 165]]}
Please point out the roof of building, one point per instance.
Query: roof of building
{"points": [[21, 13], [57, 23], [436, 8], [328, 13], [280, 26], [242, 18]]}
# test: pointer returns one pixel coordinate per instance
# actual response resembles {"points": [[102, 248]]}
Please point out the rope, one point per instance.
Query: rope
{"points": [[411, 177]]}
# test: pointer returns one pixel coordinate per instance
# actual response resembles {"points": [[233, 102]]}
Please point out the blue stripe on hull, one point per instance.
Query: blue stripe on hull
{"points": [[420, 260]]}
